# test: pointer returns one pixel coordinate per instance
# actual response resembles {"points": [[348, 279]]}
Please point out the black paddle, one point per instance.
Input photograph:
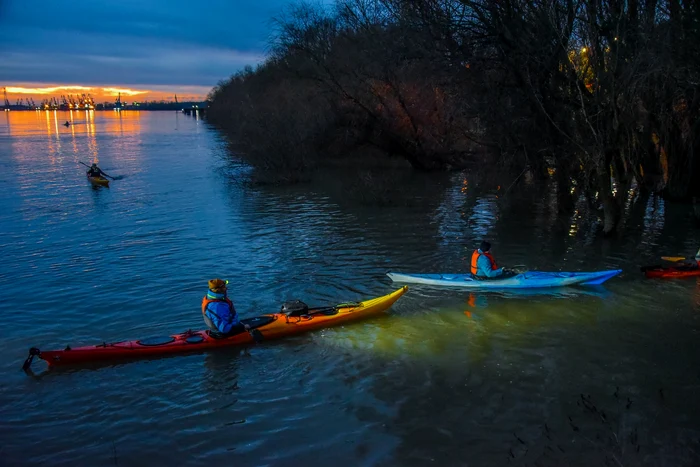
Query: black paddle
{"points": [[515, 270], [91, 167], [28, 362], [256, 335]]}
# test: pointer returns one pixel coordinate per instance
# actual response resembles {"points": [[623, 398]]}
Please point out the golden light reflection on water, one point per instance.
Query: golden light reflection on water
{"points": [[573, 228], [92, 140], [470, 331], [23, 123], [53, 149], [48, 125], [55, 122], [81, 139]]}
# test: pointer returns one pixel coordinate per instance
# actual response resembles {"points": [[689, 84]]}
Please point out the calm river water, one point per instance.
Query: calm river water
{"points": [[446, 378]]}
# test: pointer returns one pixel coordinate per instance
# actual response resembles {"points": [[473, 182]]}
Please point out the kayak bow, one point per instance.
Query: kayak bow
{"points": [[100, 181], [526, 280], [271, 326]]}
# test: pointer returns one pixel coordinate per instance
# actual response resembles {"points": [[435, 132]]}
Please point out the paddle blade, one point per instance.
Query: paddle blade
{"points": [[257, 336], [673, 258], [28, 362]]}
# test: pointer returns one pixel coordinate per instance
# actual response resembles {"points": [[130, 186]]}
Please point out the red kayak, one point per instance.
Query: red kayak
{"points": [[657, 272], [267, 327]]}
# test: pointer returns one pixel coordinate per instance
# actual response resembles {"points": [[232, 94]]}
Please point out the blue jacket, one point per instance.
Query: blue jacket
{"points": [[220, 312], [483, 267]]}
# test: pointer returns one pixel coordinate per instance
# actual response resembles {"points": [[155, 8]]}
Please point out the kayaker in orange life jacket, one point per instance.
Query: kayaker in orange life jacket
{"points": [[483, 264], [218, 310]]}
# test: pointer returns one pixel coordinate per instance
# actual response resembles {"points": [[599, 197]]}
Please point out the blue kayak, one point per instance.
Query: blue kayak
{"points": [[526, 280]]}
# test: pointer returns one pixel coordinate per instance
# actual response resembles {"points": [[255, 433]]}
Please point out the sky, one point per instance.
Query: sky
{"points": [[151, 48]]}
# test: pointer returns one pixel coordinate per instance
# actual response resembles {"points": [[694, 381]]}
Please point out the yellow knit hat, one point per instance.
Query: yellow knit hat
{"points": [[217, 285]]}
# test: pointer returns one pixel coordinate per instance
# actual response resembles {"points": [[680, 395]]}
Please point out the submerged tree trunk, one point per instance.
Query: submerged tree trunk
{"points": [[611, 209], [566, 200], [651, 171], [680, 166]]}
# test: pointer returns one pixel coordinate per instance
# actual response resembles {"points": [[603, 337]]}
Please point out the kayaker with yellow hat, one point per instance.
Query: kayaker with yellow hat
{"points": [[218, 310]]}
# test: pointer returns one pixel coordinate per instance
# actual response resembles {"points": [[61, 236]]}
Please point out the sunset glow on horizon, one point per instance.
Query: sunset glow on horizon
{"points": [[105, 94], [147, 51]]}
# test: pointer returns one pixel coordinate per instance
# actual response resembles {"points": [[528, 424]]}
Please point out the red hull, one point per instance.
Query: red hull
{"points": [[272, 326], [670, 273]]}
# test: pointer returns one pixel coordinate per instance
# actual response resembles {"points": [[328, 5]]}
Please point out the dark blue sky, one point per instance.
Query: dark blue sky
{"points": [[150, 43]]}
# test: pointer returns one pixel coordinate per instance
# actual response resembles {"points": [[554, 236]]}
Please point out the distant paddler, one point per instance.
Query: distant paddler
{"points": [[94, 171]]}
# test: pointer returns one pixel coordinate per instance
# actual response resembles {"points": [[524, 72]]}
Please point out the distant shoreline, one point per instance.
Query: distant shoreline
{"points": [[165, 107]]}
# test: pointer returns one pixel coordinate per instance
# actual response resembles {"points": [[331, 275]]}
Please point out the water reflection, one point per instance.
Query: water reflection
{"points": [[219, 387], [653, 218], [484, 216], [478, 367], [48, 124], [452, 214], [92, 140], [55, 122]]}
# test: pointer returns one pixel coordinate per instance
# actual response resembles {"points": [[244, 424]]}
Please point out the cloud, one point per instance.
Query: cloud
{"points": [[45, 90], [177, 64], [118, 91], [126, 43]]}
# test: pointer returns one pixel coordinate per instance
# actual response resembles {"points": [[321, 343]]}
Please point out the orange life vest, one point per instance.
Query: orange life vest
{"points": [[206, 301], [475, 258]]}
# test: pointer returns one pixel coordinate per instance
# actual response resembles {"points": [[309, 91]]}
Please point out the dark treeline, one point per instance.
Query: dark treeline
{"points": [[602, 94]]}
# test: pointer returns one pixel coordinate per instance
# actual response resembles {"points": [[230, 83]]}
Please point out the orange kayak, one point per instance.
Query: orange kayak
{"points": [[271, 326], [100, 181]]}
